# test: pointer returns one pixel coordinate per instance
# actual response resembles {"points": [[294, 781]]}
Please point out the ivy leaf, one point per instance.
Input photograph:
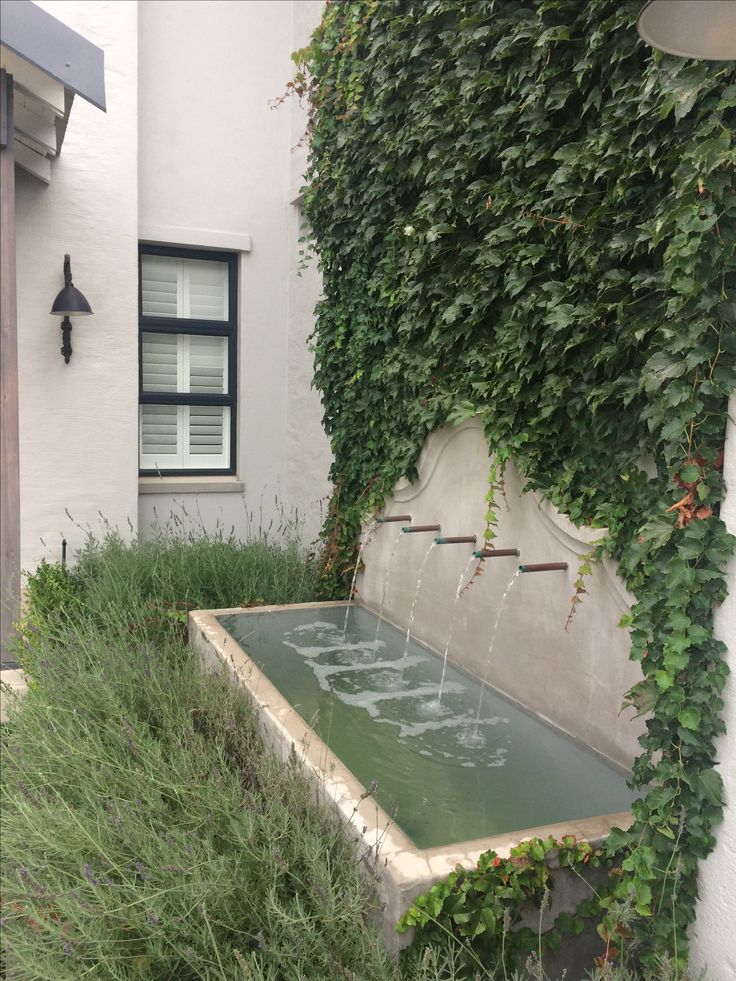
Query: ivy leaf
{"points": [[660, 368], [710, 787], [689, 718], [642, 696], [689, 473], [616, 840], [664, 679]]}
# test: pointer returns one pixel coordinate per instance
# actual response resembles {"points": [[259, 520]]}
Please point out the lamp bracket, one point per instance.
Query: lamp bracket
{"points": [[66, 340]]}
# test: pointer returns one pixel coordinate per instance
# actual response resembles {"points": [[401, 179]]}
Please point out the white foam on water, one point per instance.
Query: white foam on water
{"points": [[464, 722], [377, 666], [386, 690], [370, 700], [316, 651], [315, 625], [327, 670]]}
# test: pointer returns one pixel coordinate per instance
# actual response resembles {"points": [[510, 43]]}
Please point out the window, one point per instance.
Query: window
{"points": [[188, 327]]}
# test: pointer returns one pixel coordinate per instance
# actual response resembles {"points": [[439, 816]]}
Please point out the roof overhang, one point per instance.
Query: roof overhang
{"points": [[50, 64]]}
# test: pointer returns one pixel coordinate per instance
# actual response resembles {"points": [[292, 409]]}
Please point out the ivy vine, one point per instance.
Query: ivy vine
{"points": [[522, 212], [486, 907]]}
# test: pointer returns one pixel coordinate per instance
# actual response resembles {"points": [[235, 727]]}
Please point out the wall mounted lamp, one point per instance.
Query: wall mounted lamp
{"points": [[690, 28], [70, 302]]}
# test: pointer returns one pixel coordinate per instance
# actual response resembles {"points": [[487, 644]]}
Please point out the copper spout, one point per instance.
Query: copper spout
{"points": [[495, 553], [412, 528], [393, 517], [457, 540], [543, 567]]}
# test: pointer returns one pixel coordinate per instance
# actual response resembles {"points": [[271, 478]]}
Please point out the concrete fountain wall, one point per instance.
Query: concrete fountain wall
{"points": [[574, 678]]}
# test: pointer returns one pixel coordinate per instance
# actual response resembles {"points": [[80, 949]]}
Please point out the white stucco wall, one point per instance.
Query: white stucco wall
{"points": [[78, 421], [308, 454], [712, 943], [215, 158]]}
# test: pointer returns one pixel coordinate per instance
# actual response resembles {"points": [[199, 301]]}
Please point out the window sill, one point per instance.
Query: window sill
{"points": [[190, 485]]}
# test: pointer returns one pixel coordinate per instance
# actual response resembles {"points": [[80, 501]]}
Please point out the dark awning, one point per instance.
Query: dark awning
{"points": [[55, 49]]}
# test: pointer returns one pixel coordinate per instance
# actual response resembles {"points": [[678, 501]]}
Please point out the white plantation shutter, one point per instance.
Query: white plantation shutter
{"points": [[205, 287], [159, 286], [159, 434], [207, 365], [186, 436], [192, 289], [182, 437], [160, 359], [184, 363], [208, 434]]}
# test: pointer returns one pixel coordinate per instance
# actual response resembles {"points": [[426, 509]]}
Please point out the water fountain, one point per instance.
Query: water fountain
{"points": [[526, 704]]}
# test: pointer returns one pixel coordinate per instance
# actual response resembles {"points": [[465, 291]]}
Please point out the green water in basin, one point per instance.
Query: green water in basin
{"points": [[447, 773]]}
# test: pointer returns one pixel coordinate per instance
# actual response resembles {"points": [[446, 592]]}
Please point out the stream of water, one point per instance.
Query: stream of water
{"points": [[366, 538], [475, 735], [414, 601], [458, 593], [384, 592]]}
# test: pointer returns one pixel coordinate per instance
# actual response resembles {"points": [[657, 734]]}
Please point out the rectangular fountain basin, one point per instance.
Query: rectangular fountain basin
{"points": [[425, 783]]}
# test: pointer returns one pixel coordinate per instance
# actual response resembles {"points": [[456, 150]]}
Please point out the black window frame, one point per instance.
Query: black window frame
{"points": [[210, 328]]}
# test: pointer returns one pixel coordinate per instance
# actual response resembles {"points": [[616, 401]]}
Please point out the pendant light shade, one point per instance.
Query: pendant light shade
{"points": [[70, 302], [704, 29]]}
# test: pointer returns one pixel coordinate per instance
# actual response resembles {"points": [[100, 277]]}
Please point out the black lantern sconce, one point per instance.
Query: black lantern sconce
{"points": [[69, 303]]}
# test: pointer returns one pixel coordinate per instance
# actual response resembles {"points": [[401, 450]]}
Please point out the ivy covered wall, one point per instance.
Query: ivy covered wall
{"points": [[521, 211]]}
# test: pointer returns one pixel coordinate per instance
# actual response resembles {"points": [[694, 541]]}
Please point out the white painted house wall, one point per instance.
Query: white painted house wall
{"points": [[308, 453], [216, 165], [78, 422]]}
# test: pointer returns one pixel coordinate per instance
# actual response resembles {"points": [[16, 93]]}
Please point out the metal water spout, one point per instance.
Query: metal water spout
{"points": [[543, 567], [393, 517], [413, 529], [495, 553], [456, 540]]}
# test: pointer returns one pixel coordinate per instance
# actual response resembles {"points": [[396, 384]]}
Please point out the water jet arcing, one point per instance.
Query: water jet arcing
{"points": [[414, 604], [366, 538]]}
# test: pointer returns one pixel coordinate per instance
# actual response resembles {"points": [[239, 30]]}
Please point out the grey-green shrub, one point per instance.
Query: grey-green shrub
{"points": [[146, 834]]}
